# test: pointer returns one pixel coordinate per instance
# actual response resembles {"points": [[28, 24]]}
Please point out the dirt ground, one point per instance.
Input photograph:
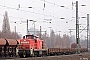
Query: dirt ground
{"points": [[82, 56]]}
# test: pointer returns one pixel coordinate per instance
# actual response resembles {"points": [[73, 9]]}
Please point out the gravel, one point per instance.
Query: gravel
{"points": [[82, 56]]}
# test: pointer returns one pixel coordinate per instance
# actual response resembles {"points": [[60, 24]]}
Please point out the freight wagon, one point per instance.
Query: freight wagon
{"points": [[8, 47]]}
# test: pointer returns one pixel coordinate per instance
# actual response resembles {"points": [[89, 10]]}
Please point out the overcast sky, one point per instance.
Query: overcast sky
{"points": [[52, 11]]}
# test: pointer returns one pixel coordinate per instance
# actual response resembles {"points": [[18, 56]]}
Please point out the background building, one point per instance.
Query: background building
{"points": [[31, 31]]}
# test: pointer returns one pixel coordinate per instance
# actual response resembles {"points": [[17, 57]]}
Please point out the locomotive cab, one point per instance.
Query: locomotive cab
{"points": [[28, 37]]}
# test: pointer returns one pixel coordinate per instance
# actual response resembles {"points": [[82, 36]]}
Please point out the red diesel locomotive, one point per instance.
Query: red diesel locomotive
{"points": [[31, 45]]}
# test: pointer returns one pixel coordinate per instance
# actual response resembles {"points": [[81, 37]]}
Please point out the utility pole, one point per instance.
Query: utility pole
{"points": [[45, 33], [87, 30], [15, 33], [59, 33], [70, 34], [77, 29], [15, 30], [45, 36], [27, 26], [40, 32], [34, 27], [50, 38]]}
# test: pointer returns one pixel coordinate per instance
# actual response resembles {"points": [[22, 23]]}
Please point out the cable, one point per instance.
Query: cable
{"points": [[62, 6], [29, 11], [39, 13], [17, 9], [83, 29], [34, 12], [14, 17], [57, 4], [25, 11]]}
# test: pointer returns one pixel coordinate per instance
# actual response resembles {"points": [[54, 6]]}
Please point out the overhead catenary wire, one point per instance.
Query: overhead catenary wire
{"points": [[15, 9], [63, 6], [35, 12], [27, 11], [31, 12], [39, 13]]}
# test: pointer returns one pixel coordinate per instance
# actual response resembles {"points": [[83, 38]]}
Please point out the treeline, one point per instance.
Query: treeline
{"points": [[56, 41], [10, 35], [6, 32], [65, 41]]}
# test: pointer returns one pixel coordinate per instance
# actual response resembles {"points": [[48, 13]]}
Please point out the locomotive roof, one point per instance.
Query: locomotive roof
{"points": [[29, 35]]}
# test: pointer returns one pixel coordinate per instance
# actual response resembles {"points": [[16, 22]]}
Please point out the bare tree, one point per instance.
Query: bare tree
{"points": [[6, 26], [6, 32], [56, 41], [52, 38]]}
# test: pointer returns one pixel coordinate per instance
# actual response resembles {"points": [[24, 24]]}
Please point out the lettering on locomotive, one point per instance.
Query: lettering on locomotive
{"points": [[24, 42]]}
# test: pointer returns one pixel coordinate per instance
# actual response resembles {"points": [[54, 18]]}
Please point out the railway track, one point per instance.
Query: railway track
{"points": [[82, 56]]}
